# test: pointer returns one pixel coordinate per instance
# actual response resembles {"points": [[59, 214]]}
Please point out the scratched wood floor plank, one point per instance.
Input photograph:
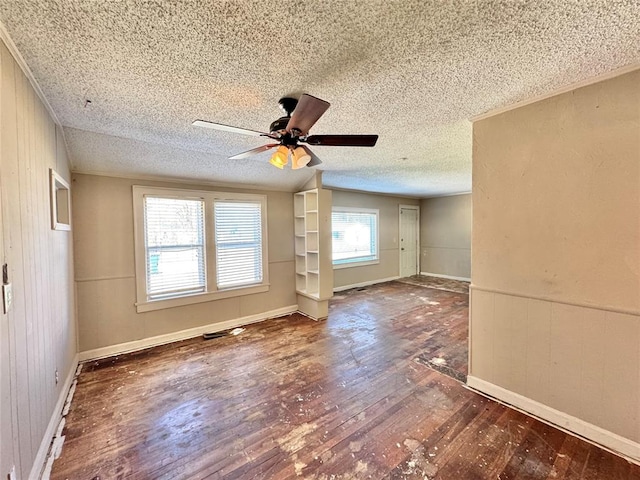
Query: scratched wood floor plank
{"points": [[347, 398]]}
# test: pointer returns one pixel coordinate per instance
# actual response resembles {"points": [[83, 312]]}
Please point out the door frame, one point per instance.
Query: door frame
{"points": [[417, 209]]}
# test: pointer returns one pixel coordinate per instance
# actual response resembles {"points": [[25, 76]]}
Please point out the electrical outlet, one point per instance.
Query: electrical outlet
{"points": [[7, 297], [57, 376], [12, 474]]}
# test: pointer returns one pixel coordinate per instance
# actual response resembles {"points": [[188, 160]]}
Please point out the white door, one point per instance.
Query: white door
{"points": [[409, 228]]}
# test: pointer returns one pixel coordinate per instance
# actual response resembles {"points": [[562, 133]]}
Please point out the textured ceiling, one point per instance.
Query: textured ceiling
{"points": [[411, 71]]}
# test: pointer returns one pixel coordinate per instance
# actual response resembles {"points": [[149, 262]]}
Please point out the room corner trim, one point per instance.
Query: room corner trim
{"points": [[136, 345], [570, 424], [448, 277], [364, 284], [43, 450]]}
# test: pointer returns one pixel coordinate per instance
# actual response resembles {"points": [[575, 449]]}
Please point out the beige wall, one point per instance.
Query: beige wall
{"points": [[445, 236], [38, 335], [556, 255], [105, 268], [389, 265]]}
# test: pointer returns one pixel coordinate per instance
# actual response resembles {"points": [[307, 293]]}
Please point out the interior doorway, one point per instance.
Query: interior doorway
{"points": [[409, 240]]}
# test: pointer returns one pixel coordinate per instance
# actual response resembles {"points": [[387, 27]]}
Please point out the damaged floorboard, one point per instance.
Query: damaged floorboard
{"points": [[349, 397]]}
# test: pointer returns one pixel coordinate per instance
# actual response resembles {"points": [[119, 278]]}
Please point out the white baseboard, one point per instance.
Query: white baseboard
{"points": [[41, 456], [573, 425], [364, 284], [136, 345], [448, 277]]}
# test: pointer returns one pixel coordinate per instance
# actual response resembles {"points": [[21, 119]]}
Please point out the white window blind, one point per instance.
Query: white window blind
{"points": [[238, 238], [174, 246], [354, 236]]}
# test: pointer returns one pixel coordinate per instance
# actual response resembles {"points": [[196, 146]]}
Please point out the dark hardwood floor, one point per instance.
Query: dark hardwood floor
{"points": [[345, 398]]}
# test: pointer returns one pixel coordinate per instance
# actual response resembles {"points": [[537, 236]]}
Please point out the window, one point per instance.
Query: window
{"points": [[354, 233], [238, 243], [194, 246], [174, 246]]}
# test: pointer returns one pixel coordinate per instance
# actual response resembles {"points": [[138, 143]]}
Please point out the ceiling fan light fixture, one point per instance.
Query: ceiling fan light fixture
{"points": [[280, 158], [300, 158]]}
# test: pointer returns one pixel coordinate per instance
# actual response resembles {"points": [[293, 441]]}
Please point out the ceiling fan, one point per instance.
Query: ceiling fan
{"points": [[290, 131]]}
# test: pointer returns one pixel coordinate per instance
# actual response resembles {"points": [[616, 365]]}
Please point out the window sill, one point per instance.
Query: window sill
{"points": [[355, 264], [152, 305]]}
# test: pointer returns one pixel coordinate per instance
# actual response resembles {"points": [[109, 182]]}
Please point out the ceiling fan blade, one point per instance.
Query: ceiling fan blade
{"points": [[229, 128], [314, 160], [307, 112], [343, 140], [253, 151]]}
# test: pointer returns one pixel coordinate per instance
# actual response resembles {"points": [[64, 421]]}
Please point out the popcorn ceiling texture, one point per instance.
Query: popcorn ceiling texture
{"points": [[411, 71]]}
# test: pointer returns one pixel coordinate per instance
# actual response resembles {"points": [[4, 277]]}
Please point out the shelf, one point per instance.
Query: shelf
{"points": [[311, 201], [313, 274], [312, 264], [298, 205], [312, 284], [301, 282]]}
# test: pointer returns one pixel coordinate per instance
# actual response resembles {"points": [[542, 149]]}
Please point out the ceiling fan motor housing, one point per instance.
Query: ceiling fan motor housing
{"points": [[279, 125]]}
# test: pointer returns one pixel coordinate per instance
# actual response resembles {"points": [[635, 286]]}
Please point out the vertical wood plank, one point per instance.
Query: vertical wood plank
{"points": [[482, 342], [27, 192], [6, 407], [14, 256], [26, 360], [538, 350]]}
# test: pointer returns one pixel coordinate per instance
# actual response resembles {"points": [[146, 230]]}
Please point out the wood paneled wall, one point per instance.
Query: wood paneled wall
{"points": [[555, 305], [38, 335]]}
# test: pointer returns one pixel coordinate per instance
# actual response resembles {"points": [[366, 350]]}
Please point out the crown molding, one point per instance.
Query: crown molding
{"points": [[558, 91]]}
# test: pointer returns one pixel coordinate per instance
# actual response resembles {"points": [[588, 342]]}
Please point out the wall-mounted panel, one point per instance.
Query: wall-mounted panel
{"points": [[577, 360]]}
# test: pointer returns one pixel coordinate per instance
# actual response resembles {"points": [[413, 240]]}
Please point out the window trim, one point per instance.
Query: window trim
{"points": [[361, 263], [143, 303]]}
